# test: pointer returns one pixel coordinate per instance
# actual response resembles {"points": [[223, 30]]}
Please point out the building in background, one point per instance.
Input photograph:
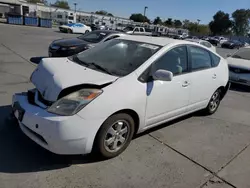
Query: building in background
{"points": [[58, 15]]}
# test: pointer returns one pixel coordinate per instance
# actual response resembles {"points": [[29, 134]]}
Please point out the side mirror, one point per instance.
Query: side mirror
{"points": [[162, 75], [228, 55]]}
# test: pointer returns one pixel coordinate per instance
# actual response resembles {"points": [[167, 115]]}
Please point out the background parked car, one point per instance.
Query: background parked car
{"points": [[239, 66], [75, 28], [71, 46], [214, 41], [203, 42], [232, 44], [131, 30]]}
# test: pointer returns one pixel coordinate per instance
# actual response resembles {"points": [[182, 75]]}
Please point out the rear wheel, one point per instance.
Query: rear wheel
{"points": [[114, 135], [213, 103]]}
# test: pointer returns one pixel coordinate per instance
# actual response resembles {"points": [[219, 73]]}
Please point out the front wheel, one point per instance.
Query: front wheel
{"points": [[87, 31], [213, 103], [69, 31], [114, 135]]}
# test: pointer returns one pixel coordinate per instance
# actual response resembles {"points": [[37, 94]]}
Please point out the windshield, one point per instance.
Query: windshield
{"points": [[93, 37], [117, 57], [243, 53], [128, 29]]}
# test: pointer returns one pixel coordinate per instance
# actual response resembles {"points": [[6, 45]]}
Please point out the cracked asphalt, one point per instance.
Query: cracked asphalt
{"points": [[191, 152]]}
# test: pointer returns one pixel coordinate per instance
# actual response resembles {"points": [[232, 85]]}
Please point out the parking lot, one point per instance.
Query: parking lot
{"points": [[195, 151]]}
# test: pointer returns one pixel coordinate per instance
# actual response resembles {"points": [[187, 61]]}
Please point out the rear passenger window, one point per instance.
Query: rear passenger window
{"points": [[141, 30], [216, 60], [200, 58], [206, 44]]}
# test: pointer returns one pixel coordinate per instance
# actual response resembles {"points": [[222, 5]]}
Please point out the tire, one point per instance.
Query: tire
{"points": [[214, 103], [109, 131], [87, 31], [69, 31]]}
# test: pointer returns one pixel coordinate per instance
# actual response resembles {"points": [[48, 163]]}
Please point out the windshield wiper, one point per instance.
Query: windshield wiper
{"points": [[77, 60], [100, 68]]}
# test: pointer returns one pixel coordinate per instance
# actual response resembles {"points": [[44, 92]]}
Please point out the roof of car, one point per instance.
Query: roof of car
{"points": [[193, 40], [161, 41], [107, 31]]}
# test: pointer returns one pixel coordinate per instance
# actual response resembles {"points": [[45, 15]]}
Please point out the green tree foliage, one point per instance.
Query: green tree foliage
{"points": [[169, 22], [241, 21], [157, 20], [177, 23], [61, 4], [220, 24], [103, 12], [185, 24], [139, 18]]}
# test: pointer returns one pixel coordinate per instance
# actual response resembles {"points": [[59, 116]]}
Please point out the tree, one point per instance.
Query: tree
{"points": [[186, 24], [169, 22], [241, 21], [157, 20], [139, 18], [177, 23], [61, 4], [220, 24], [109, 14], [103, 12]]}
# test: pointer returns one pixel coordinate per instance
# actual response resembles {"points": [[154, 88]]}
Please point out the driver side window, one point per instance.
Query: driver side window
{"points": [[174, 61]]}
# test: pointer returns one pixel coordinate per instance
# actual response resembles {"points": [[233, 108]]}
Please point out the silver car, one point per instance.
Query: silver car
{"points": [[239, 66]]}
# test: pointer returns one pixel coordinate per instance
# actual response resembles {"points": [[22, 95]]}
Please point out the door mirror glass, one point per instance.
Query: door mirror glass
{"points": [[162, 75]]}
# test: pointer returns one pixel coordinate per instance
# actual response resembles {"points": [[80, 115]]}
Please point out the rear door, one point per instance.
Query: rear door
{"points": [[203, 77]]}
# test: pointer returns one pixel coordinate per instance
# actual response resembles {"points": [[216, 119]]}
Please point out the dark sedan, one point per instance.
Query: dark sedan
{"points": [[214, 41], [232, 44], [71, 46]]}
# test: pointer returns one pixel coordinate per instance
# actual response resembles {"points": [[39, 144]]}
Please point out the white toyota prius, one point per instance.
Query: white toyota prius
{"points": [[99, 99]]}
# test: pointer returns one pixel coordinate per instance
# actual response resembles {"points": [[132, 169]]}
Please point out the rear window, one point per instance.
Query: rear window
{"points": [[208, 45], [215, 60]]}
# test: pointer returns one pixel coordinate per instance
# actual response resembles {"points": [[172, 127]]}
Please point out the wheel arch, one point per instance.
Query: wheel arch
{"points": [[130, 112], [133, 114], [224, 89]]}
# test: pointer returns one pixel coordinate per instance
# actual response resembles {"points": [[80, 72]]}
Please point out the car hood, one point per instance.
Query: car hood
{"points": [[70, 42], [241, 63], [55, 74]]}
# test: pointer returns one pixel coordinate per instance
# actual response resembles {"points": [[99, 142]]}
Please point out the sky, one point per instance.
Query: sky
{"points": [[175, 9]]}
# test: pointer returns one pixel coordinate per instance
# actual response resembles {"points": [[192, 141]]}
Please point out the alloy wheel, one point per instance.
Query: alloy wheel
{"points": [[116, 136], [214, 102]]}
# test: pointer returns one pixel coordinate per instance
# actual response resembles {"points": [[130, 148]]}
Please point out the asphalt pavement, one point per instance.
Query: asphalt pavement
{"points": [[192, 152]]}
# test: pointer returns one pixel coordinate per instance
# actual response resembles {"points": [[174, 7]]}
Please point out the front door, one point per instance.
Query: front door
{"points": [[169, 99]]}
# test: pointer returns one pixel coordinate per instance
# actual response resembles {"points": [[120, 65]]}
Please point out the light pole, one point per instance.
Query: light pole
{"points": [[198, 20], [75, 6], [145, 9]]}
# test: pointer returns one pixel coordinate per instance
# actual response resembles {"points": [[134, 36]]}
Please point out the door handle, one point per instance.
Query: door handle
{"points": [[185, 84], [214, 76]]}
